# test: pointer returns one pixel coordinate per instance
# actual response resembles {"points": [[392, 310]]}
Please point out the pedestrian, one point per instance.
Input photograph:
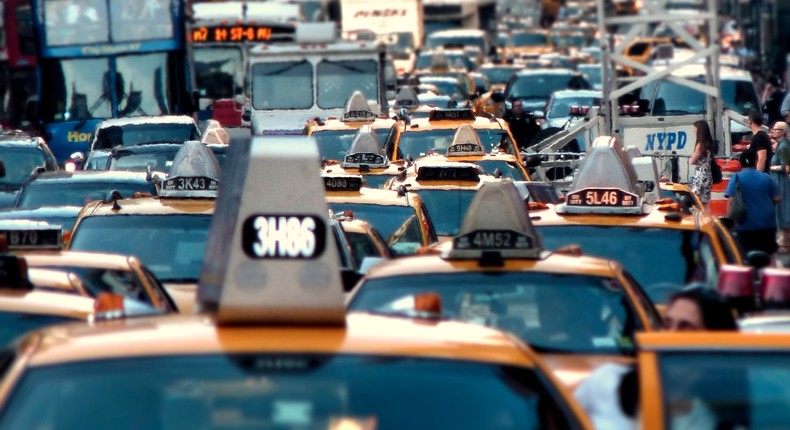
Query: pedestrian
{"points": [[780, 169], [772, 98], [702, 157], [610, 395], [759, 194], [761, 143], [522, 125]]}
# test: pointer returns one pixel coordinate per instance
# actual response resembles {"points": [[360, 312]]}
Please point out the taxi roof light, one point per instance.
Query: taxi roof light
{"points": [[365, 150], [606, 183], [194, 173], [775, 287], [358, 109], [270, 256], [466, 141], [736, 281], [497, 226]]}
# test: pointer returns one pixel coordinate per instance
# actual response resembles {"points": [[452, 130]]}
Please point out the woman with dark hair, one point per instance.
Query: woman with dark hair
{"points": [[698, 307], [701, 158]]}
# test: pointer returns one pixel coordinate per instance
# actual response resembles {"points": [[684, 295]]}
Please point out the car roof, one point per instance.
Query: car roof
{"points": [[556, 263], [198, 334], [46, 303], [547, 71], [576, 93], [457, 32], [655, 218], [62, 176], [142, 120], [372, 196], [79, 259], [152, 206]]}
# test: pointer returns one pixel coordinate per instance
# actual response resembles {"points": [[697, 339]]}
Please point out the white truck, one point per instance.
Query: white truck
{"points": [[311, 77], [397, 23]]}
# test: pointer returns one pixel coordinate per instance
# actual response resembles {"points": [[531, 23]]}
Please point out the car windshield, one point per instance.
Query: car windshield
{"points": [[159, 157], [447, 208], [534, 306], [392, 222], [569, 41], [561, 107], [678, 256], [727, 389], [498, 75], [362, 246], [540, 87], [509, 169], [267, 391], [334, 144], [19, 163], [14, 324], [416, 144], [77, 193], [593, 73], [99, 280], [218, 71], [141, 134], [675, 99], [739, 96], [527, 39], [449, 88], [436, 41], [171, 246]]}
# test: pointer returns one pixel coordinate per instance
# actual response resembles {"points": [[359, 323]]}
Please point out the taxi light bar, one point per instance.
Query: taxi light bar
{"points": [[775, 288], [451, 115], [579, 110], [342, 183], [448, 173]]}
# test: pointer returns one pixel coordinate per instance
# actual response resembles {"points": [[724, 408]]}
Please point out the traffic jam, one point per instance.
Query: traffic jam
{"points": [[359, 215]]}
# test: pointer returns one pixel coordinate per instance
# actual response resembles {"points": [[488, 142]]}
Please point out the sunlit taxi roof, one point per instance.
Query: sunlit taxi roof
{"points": [[79, 259], [337, 124], [46, 303], [151, 206], [653, 218], [197, 334], [370, 196], [161, 119]]}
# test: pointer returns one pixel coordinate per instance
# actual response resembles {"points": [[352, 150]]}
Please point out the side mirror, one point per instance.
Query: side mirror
{"points": [[2, 169], [246, 116]]}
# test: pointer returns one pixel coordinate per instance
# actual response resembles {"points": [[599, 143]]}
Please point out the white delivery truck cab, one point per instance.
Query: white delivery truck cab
{"points": [[312, 77]]}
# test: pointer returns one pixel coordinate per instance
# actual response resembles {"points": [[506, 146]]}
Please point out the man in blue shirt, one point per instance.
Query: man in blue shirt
{"points": [[760, 193]]}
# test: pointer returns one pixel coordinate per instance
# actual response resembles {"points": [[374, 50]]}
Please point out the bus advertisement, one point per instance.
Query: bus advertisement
{"points": [[103, 59]]}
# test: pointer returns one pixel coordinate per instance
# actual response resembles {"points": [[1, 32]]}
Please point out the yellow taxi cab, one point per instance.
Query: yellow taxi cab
{"points": [[400, 217], [467, 148], [578, 312], [336, 135], [662, 244], [365, 241], [83, 273], [273, 346], [434, 134], [167, 233], [446, 190], [32, 298], [366, 158], [713, 380]]}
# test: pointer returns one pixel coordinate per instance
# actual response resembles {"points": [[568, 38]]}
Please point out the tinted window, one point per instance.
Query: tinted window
{"points": [[218, 71], [724, 389], [276, 391], [551, 312], [739, 96], [417, 144], [139, 134], [665, 257], [286, 85], [19, 163], [337, 80], [527, 39], [540, 87], [47, 193], [385, 219], [171, 246], [74, 90], [362, 246], [99, 280]]}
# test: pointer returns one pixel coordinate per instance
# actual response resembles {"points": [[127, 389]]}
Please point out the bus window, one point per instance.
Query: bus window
{"points": [[218, 71], [283, 85], [69, 91], [338, 79], [144, 84], [75, 22], [134, 22]]}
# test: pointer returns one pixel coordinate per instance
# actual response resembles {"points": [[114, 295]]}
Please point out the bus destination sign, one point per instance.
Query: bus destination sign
{"points": [[239, 33]]}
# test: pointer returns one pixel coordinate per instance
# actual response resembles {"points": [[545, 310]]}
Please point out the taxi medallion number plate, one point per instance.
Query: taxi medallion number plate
{"points": [[493, 239], [197, 183], [364, 158], [272, 236], [602, 197]]}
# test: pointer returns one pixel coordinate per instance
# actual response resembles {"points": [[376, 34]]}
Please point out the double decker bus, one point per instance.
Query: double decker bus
{"points": [[221, 35], [103, 59]]}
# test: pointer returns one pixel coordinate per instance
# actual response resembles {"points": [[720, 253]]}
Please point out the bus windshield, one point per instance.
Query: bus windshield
{"points": [[337, 80], [218, 71], [70, 91], [283, 85]]}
